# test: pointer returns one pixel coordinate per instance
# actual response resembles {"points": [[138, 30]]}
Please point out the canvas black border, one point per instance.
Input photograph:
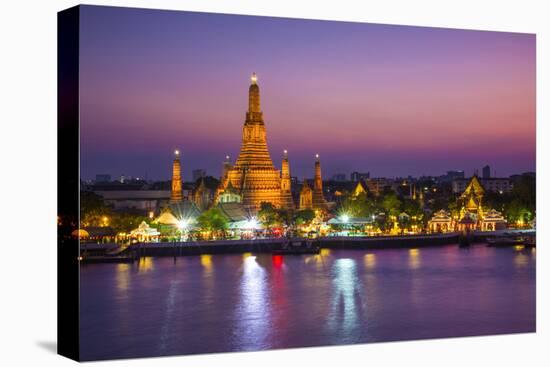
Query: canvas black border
{"points": [[68, 182]]}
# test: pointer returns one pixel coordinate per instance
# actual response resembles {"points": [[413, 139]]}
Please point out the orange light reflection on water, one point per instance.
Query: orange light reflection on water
{"points": [[414, 258]]}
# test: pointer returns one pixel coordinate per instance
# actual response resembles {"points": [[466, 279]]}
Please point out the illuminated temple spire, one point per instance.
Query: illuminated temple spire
{"points": [[318, 198], [253, 175], [286, 194], [176, 194], [226, 167], [254, 96]]}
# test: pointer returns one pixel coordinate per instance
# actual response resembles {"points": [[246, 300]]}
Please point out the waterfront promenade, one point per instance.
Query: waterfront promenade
{"points": [[270, 244]]}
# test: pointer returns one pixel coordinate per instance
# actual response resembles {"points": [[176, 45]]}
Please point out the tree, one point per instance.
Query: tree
{"points": [[125, 222], [412, 208], [391, 204], [213, 220], [284, 217], [305, 216], [517, 211], [268, 215], [93, 210]]}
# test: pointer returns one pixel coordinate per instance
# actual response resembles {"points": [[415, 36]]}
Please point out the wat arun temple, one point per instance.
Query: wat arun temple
{"points": [[253, 179]]}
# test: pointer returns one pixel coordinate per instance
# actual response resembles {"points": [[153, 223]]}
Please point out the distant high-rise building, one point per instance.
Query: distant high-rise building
{"points": [[102, 178], [378, 184], [492, 184], [486, 172], [198, 173], [358, 176], [451, 176], [339, 177]]}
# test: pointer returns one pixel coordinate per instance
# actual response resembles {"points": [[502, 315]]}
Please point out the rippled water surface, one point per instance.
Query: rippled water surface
{"points": [[220, 303]]}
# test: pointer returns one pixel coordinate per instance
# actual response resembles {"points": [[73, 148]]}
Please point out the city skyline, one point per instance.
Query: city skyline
{"points": [[390, 100]]}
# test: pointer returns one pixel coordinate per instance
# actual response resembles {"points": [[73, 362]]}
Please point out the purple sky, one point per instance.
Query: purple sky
{"points": [[392, 100]]}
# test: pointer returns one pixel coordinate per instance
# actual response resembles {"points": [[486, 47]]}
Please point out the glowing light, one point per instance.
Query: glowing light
{"points": [[317, 155], [151, 215], [176, 152], [344, 218], [252, 223], [254, 78], [183, 224]]}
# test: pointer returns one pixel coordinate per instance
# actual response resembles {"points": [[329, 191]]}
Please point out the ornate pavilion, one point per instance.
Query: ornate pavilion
{"points": [[441, 222]]}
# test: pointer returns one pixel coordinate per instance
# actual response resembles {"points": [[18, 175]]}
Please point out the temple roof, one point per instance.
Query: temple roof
{"points": [[175, 212], [474, 187], [472, 203], [493, 215], [360, 188], [234, 212]]}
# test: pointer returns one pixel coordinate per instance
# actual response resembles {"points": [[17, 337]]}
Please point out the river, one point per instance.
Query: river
{"points": [[222, 303]]}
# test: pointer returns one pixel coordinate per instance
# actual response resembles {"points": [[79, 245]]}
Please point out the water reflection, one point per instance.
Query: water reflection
{"points": [[318, 259], [521, 260], [123, 277], [252, 312], [168, 315], [277, 261], [347, 300], [206, 262], [370, 261], [414, 258], [145, 264], [324, 252], [243, 302]]}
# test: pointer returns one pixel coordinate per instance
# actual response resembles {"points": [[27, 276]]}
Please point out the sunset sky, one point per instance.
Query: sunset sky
{"points": [[392, 100]]}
